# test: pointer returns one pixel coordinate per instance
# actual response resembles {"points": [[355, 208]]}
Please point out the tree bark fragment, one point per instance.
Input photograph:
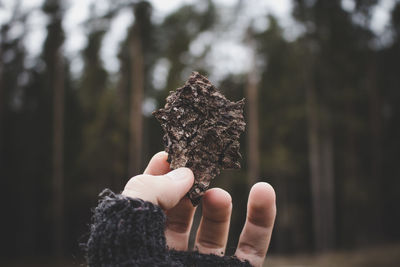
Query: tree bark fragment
{"points": [[202, 130]]}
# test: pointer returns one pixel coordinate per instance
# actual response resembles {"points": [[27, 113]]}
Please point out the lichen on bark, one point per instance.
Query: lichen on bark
{"points": [[202, 130]]}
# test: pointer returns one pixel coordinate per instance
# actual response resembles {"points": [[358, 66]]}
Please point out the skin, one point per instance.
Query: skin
{"points": [[166, 188]]}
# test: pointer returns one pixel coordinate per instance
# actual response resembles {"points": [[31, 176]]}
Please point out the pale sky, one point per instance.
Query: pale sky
{"points": [[230, 53]]}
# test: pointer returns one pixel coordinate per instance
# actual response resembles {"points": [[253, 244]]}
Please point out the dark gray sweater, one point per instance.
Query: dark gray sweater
{"points": [[130, 232]]}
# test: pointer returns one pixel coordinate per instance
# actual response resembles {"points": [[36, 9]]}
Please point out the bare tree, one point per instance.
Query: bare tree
{"points": [[58, 152], [253, 151], [320, 143], [314, 161], [137, 88], [2, 103], [327, 240], [376, 126], [53, 57]]}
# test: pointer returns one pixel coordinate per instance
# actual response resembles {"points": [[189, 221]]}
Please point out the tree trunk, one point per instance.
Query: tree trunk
{"points": [[320, 143], [327, 185], [315, 165], [57, 83], [136, 117], [376, 158], [253, 154], [350, 203], [2, 110]]}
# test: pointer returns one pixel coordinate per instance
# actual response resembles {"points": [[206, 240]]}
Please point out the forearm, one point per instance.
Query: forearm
{"points": [[126, 231]]}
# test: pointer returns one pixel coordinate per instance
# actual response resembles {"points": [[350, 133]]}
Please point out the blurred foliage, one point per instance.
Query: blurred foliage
{"points": [[357, 87]]}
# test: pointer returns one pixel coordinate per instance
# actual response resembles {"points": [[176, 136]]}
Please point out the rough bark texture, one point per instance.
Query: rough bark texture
{"points": [[202, 130]]}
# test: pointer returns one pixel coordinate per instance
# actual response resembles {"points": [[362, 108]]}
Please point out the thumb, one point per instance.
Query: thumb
{"points": [[164, 190]]}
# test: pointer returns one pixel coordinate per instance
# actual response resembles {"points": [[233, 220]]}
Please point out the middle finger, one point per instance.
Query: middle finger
{"points": [[178, 224], [214, 225]]}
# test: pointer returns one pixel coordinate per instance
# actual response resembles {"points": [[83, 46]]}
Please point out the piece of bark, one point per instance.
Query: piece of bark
{"points": [[202, 130]]}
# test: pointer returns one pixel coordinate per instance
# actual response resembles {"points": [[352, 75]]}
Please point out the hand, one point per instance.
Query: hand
{"points": [[167, 189]]}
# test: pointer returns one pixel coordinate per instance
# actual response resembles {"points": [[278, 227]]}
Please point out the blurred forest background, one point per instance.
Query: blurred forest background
{"points": [[322, 107]]}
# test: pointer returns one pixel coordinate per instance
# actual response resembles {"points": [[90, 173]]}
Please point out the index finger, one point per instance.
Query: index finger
{"points": [[179, 218], [158, 164], [256, 234]]}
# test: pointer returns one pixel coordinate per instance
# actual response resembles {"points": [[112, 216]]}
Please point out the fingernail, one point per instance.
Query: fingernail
{"points": [[178, 174]]}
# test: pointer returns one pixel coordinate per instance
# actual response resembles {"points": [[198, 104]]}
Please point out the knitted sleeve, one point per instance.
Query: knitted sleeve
{"points": [[126, 232], [130, 232]]}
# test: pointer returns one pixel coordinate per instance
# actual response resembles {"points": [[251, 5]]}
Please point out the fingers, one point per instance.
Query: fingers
{"points": [[158, 164], [180, 216], [179, 223], [165, 190], [214, 225], [256, 234]]}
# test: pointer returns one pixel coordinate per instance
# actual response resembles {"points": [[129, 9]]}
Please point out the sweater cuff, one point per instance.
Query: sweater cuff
{"points": [[125, 230]]}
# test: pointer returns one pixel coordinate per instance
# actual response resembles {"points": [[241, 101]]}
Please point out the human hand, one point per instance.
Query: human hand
{"points": [[167, 189]]}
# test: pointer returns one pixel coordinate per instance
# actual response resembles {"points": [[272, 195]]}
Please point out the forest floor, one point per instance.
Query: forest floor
{"points": [[385, 256]]}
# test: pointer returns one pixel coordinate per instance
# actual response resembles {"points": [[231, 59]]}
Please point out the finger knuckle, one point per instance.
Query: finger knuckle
{"points": [[251, 249], [209, 243], [177, 226]]}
